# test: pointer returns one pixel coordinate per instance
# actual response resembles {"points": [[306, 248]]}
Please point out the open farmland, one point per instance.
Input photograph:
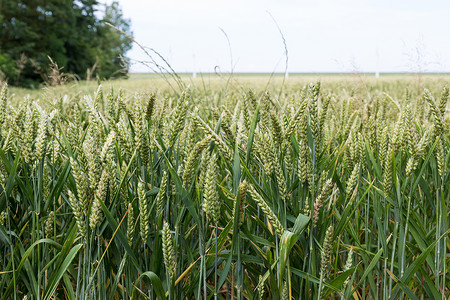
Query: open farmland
{"points": [[226, 187]]}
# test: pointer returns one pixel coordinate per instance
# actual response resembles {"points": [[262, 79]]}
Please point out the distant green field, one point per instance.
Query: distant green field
{"points": [[147, 82]]}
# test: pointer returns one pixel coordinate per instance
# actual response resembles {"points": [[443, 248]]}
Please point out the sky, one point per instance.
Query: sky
{"points": [[320, 35]]}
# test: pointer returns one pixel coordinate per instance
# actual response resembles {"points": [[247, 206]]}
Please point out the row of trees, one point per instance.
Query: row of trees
{"points": [[69, 33]]}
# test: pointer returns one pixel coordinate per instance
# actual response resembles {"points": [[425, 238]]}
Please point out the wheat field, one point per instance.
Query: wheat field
{"points": [[238, 188]]}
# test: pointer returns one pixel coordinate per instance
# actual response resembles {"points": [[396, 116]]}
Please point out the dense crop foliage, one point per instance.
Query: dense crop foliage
{"points": [[304, 194]]}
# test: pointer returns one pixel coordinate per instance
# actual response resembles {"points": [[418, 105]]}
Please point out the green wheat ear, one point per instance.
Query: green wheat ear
{"points": [[179, 115], [353, 180], [150, 107], [82, 184], [96, 211], [189, 168], [313, 110], [285, 293], [267, 211], [168, 251], [48, 228], [130, 224], [260, 288], [42, 136], [78, 213], [3, 217], [162, 193], [3, 102], [348, 265], [327, 247], [143, 213], [326, 189], [243, 187], [211, 202]]}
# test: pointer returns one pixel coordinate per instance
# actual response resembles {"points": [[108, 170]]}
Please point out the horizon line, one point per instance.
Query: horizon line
{"points": [[302, 73]]}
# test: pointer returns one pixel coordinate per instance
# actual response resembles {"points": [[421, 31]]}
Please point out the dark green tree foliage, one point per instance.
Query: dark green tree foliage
{"points": [[71, 32], [113, 45]]}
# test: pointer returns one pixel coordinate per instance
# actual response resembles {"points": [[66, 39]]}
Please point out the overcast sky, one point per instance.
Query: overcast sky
{"points": [[321, 35]]}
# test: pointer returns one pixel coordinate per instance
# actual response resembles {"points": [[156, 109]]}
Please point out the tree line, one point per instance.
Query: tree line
{"points": [[41, 37]]}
